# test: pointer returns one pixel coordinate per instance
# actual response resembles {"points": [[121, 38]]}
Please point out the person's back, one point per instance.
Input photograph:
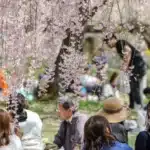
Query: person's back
{"points": [[120, 132], [98, 135], [117, 146], [15, 144], [31, 129], [143, 141], [8, 140]]}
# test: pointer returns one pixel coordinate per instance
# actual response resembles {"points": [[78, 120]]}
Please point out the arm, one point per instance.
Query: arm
{"points": [[79, 135], [59, 137], [126, 58]]}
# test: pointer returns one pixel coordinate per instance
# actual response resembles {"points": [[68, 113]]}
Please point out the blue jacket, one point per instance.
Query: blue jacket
{"points": [[117, 146]]}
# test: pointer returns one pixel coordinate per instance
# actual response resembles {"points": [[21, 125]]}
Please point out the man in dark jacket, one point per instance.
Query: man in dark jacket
{"points": [[136, 65], [70, 134]]}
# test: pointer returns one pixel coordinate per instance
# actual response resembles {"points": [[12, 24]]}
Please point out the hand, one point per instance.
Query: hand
{"points": [[18, 132], [124, 68]]}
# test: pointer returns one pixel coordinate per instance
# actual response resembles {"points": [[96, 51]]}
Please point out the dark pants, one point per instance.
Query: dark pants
{"points": [[134, 94]]}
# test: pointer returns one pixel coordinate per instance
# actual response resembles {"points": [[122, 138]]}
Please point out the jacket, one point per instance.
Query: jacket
{"points": [[70, 134], [144, 138], [32, 132], [120, 132], [117, 146]]}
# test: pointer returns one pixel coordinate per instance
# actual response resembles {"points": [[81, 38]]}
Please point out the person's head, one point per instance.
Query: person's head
{"points": [[5, 128], [113, 78], [111, 41], [147, 92], [87, 69], [22, 104], [66, 107], [114, 110], [24, 84], [97, 132]]}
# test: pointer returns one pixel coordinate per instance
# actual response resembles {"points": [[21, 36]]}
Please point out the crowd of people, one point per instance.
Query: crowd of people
{"points": [[106, 130]]}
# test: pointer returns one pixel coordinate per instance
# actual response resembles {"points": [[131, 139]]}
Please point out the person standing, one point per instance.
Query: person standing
{"points": [[133, 62]]}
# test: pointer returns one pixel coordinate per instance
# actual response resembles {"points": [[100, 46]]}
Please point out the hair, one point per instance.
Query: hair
{"points": [[4, 128], [113, 77], [21, 103], [112, 37], [121, 45], [97, 132], [86, 69], [68, 105], [146, 91]]}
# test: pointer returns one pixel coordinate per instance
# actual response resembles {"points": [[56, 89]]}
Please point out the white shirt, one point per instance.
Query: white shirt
{"points": [[15, 144], [32, 130]]}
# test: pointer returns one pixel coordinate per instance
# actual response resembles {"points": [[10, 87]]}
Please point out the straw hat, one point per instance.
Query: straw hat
{"points": [[114, 110]]}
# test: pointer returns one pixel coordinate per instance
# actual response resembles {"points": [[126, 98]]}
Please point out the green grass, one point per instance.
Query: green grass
{"points": [[90, 106], [131, 140]]}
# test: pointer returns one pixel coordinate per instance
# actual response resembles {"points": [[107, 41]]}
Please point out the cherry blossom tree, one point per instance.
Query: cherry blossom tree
{"points": [[37, 33]]}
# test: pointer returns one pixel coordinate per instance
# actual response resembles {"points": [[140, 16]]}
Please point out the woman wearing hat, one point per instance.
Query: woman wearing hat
{"points": [[116, 113]]}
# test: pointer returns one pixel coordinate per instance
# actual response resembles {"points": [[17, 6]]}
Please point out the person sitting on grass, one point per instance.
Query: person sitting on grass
{"points": [[30, 125], [8, 139], [98, 135], [117, 114], [70, 133], [109, 89]]}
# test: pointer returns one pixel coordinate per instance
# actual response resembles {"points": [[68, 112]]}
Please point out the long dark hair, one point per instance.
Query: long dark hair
{"points": [[120, 47], [113, 77], [97, 132], [4, 128]]}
